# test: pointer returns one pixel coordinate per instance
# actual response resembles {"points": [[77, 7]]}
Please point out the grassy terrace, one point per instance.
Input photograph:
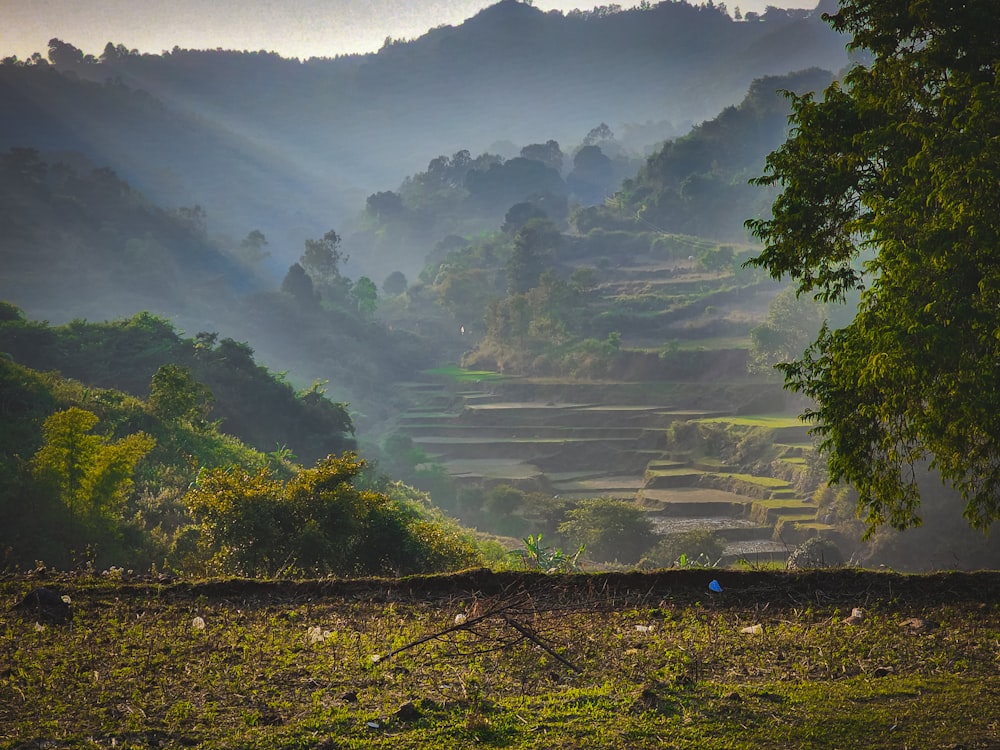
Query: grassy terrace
{"points": [[603, 661]]}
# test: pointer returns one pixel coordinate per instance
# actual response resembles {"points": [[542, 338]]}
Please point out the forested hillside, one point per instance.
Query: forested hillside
{"points": [[86, 244], [218, 381], [80, 243], [292, 147], [95, 475]]}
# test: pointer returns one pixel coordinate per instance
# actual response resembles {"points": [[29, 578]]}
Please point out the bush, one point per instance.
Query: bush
{"points": [[691, 548], [815, 553], [611, 530], [318, 522]]}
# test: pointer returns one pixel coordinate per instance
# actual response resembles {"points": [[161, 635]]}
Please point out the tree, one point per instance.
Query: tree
{"points": [[91, 474], [299, 284], [174, 394], [395, 284], [520, 214], [610, 529], [322, 257], [601, 133], [385, 205], [365, 296], [63, 54], [792, 323], [533, 243], [889, 186], [592, 174], [547, 153], [319, 521], [322, 261], [252, 247]]}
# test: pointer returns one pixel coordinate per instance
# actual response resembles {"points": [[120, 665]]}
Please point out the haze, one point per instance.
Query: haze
{"points": [[296, 28]]}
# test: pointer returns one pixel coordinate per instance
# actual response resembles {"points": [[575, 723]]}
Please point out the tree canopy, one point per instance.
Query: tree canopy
{"points": [[890, 186]]}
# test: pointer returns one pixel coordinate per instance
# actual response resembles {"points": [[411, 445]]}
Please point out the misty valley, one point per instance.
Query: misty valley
{"points": [[613, 378], [507, 356]]}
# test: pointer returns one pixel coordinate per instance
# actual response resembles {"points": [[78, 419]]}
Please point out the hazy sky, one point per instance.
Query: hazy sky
{"points": [[293, 28]]}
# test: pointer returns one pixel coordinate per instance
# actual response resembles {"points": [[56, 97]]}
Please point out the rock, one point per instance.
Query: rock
{"points": [[45, 605], [647, 700], [408, 712], [815, 553], [919, 625], [856, 618]]}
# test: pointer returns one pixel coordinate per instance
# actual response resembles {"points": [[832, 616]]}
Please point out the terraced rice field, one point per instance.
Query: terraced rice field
{"points": [[593, 446]]}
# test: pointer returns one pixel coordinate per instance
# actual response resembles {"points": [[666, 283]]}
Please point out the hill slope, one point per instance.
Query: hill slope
{"points": [[292, 147]]}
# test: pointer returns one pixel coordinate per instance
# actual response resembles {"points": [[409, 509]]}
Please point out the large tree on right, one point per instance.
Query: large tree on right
{"points": [[891, 185]]}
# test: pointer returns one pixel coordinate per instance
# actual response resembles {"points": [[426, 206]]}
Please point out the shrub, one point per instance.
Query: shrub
{"points": [[695, 548], [815, 553], [611, 530], [318, 522]]}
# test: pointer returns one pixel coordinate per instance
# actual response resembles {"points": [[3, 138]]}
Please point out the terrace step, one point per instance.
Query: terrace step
{"points": [[755, 551], [513, 432], [532, 414], [731, 529], [663, 479], [769, 511], [602, 439], [548, 455], [623, 487], [496, 470]]}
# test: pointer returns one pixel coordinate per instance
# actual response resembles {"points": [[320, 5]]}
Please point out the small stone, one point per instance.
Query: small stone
{"points": [[46, 605], [408, 712], [919, 625], [648, 699], [856, 618]]}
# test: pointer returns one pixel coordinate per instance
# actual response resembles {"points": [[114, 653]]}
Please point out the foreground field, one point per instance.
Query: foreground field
{"points": [[479, 659]]}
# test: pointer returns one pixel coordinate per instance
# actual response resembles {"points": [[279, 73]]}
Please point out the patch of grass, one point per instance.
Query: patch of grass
{"points": [[793, 460], [757, 420], [658, 661], [770, 482]]}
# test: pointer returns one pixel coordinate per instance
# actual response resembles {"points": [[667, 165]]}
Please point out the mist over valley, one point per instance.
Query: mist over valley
{"points": [[506, 262]]}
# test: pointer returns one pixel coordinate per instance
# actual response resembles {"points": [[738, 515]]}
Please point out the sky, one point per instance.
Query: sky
{"points": [[292, 28]]}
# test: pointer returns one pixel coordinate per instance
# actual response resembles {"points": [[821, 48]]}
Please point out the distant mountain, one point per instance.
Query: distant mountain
{"points": [[293, 148], [698, 184], [78, 241]]}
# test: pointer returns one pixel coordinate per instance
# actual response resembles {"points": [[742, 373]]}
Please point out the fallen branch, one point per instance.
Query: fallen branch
{"points": [[505, 613], [527, 633]]}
